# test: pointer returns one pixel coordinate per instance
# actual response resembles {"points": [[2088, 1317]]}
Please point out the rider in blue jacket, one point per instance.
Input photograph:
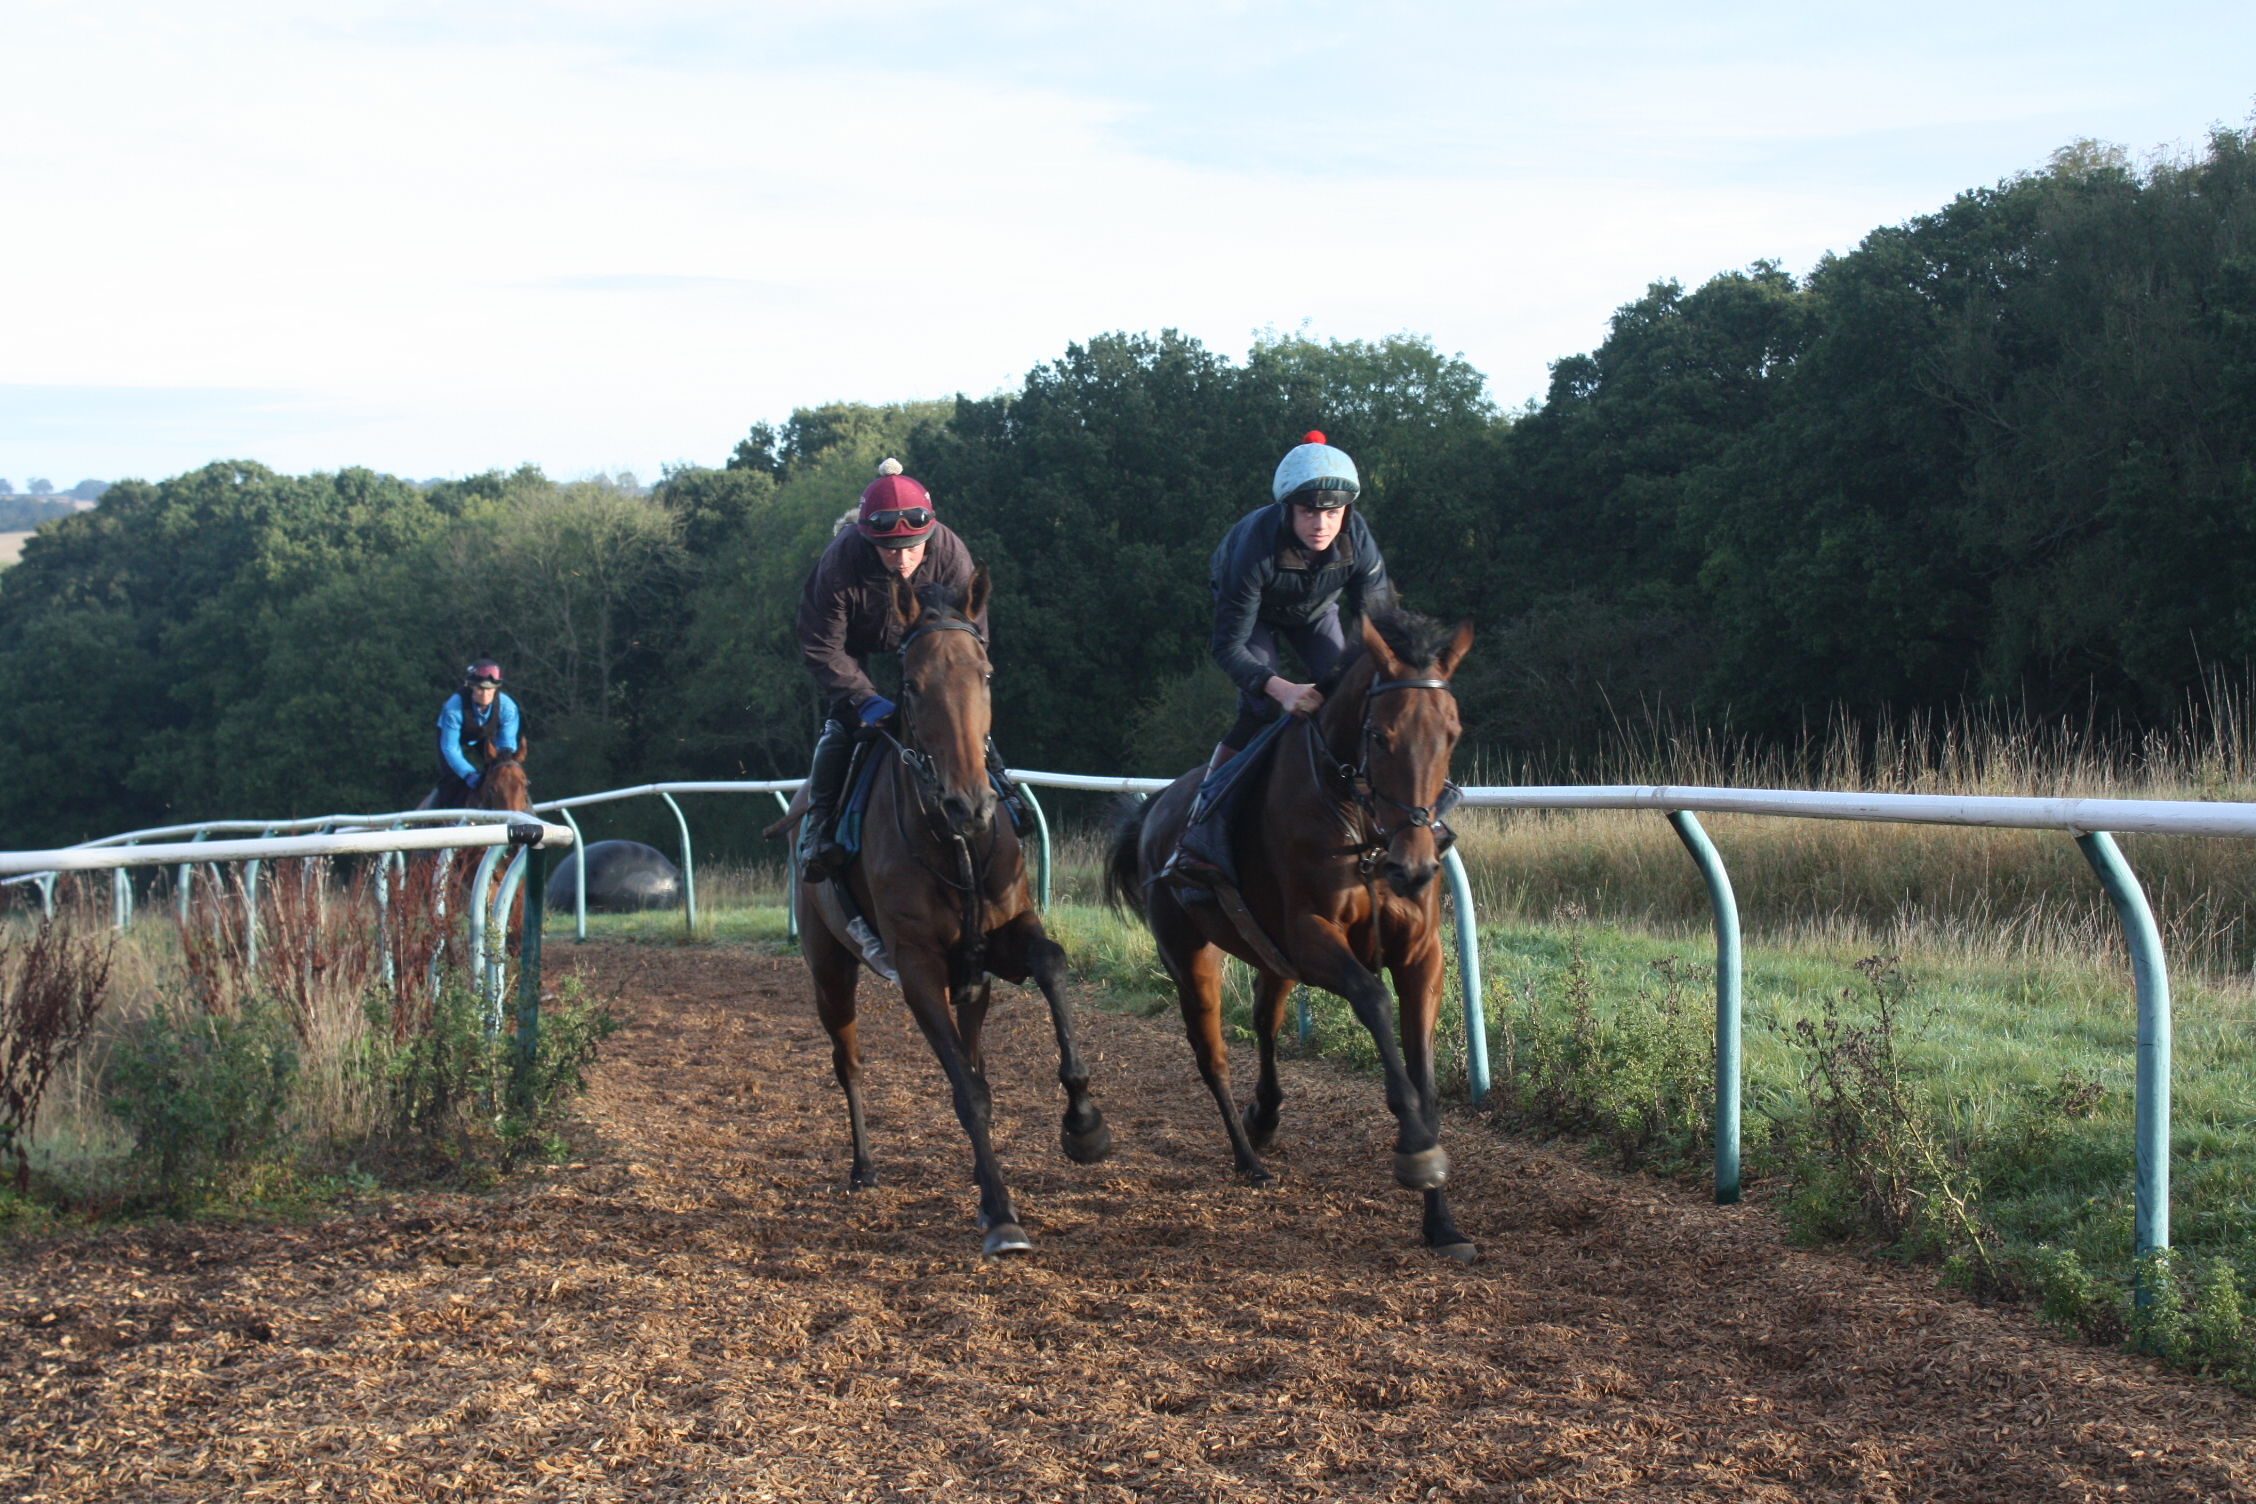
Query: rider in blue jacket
{"points": [[466, 721], [1289, 572]]}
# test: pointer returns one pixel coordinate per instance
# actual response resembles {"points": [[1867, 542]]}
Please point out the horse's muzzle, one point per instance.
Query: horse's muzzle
{"points": [[1410, 878], [969, 815]]}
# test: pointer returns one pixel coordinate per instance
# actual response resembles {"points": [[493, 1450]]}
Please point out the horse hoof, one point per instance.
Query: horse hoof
{"points": [[1422, 1171], [1259, 1178], [864, 1180], [1463, 1253], [1005, 1238], [1260, 1133], [1087, 1148]]}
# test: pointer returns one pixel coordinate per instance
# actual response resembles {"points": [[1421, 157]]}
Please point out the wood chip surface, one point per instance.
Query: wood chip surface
{"points": [[698, 1309]]}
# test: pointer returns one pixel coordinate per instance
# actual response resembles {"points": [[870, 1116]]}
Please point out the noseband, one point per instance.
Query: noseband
{"points": [[1357, 777]]}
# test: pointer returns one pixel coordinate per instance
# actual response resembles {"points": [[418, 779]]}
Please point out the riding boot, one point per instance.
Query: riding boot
{"points": [[1202, 851], [821, 857]]}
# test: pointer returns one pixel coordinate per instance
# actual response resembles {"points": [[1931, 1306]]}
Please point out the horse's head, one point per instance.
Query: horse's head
{"points": [[505, 785], [1409, 730], [944, 699]]}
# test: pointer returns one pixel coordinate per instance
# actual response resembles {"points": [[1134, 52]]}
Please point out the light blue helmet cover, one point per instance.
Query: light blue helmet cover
{"points": [[1317, 467]]}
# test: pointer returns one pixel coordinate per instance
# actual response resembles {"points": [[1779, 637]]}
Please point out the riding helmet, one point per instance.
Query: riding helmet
{"points": [[896, 509], [1314, 474], [484, 671]]}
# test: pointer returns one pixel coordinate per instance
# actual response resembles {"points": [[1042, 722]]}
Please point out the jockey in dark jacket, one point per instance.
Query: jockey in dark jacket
{"points": [[472, 715], [1296, 571], [845, 614]]}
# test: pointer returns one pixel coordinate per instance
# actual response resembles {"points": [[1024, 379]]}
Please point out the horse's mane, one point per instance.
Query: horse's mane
{"points": [[1415, 639]]}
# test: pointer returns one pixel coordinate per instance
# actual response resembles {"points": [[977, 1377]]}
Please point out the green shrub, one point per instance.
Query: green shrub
{"points": [[202, 1094], [1640, 1075], [452, 1088]]}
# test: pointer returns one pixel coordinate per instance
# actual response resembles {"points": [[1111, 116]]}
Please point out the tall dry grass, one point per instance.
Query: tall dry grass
{"points": [[1938, 889]]}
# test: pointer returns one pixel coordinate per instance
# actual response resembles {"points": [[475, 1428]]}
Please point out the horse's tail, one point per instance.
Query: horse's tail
{"points": [[1122, 890]]}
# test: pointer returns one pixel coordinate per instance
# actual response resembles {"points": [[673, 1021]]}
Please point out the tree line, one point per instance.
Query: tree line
{"points": [[2003, 452]]}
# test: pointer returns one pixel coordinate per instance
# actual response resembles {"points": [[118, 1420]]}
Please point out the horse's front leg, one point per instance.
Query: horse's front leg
{"points": [[1084, 1134], [1269, 994], [924, 985], [1418, 986], [1320, 948]]}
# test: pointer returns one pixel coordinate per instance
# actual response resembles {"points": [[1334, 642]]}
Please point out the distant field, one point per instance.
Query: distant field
{"points": [[11, 547]]}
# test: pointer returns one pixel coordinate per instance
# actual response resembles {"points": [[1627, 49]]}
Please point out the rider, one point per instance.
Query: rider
{"points": [[472, 714], [1290, 571], [845, 614]]}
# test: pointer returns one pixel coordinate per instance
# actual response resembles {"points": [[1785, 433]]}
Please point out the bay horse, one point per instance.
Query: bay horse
{"points": [[943, 882], [1337, 861]]}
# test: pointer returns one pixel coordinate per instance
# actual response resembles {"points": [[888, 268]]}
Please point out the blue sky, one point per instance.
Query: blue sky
{"points": [[437, 238]]}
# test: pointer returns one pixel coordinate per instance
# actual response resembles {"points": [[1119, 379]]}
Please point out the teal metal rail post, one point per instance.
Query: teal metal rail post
{"points": [[529, 977], [2151, 1113], [689, 872], [1042, 826], [1728, 1062], [1469, 973], [579, 879], [790, 875]]}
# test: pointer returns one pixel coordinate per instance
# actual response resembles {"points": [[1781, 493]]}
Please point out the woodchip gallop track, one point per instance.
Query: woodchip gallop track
{"points": [[698, 1309]]}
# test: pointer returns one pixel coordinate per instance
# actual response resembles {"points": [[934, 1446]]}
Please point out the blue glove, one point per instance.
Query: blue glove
{"points": [[474, 780], [876, 708]]}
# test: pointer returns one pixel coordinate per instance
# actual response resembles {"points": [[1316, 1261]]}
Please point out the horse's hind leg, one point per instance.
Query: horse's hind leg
{"points": [[836, 971], [1261, 1113], [1196, 967], [1084, 1135]]}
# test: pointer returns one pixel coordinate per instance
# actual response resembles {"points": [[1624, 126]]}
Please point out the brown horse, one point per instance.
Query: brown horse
{"points": [[943, 883], [1337, 864]]}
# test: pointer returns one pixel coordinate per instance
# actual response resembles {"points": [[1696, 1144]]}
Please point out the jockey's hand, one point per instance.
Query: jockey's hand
{"points": [[875, 709], [474, 780], [1300, 699]]}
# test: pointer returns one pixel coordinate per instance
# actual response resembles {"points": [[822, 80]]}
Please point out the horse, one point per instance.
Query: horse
{"points": [[943, 882], [1337, 874]]}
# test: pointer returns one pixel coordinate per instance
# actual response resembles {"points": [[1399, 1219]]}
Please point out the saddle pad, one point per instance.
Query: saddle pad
{"points": [[862, 780]]}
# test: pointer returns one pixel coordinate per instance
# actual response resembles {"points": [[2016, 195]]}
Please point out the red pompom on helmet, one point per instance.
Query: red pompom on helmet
{"points": [[896, 509]]}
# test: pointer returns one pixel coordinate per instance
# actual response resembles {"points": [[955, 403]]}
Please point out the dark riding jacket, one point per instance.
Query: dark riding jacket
{"points": [[1261, 572], [846, 609], [463, 730]]}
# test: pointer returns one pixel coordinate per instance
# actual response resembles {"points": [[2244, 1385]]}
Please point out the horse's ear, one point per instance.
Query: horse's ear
{"points": [[975, 600], [1382, 655], [1454, 654], [905, 603]]}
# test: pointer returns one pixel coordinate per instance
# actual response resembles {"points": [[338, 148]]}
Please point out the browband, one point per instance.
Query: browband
{"points": [[1385, 685], [946, 624]]}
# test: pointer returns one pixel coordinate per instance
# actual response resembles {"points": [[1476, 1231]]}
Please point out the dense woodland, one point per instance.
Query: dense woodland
{"points": [[2005, 452]]}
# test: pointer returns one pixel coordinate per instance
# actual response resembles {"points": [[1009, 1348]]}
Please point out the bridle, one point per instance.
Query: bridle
{"points": [[1366, 796], [970, 958], [913, 757]]}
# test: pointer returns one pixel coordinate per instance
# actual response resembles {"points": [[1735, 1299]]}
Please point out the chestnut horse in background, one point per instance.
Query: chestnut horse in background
{"points": [[1337, 877], [942, 880]]}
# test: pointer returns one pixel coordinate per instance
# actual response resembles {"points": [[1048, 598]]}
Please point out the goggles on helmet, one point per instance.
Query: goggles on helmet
{"points": [[901, 520]]}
